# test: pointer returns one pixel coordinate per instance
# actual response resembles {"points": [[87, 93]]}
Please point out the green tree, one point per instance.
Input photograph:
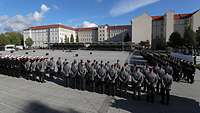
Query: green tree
{"points": [[175, 40], [72, 39], [14, 38], [189, 37], [66, 39], [77, 39], [29, 42]]}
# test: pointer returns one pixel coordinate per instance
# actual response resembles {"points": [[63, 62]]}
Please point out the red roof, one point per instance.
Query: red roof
{"points": [[86, 29], [157, 17], [51, 26], [119, 27], [176, 16]]}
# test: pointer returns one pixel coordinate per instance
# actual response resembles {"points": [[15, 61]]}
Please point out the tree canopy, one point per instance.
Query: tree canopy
{"points": [[11, 38], [29, 42], [175, 40], [189, 37], [66, 39], [72, 38], [77, 39]]}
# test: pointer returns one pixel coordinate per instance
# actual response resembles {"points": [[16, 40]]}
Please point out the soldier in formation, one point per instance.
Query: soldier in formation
{"points": [[113, 79]]}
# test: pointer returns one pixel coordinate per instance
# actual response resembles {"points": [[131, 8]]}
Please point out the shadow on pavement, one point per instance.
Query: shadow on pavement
{"points": [[177, 105], [38, 107]]}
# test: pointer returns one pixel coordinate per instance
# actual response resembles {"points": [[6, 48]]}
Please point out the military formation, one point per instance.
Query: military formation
{"points": [[181, 70], [95, 76]]}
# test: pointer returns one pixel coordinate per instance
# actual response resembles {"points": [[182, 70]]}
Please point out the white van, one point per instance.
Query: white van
{"points": [[9, 47]]}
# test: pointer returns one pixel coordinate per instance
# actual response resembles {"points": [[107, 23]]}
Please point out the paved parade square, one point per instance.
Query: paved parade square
{"points": [[18, 95]]}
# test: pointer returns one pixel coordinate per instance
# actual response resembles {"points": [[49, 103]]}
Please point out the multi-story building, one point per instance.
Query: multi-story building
{"points": [[87, 35], [43, 35], [157, 29]]}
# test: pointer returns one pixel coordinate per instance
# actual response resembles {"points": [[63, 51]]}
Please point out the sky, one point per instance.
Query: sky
{"points": [[16, 15]]}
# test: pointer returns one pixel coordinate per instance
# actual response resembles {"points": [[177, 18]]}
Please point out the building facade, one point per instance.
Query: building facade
{"points": [[43, 35], [157, 29], [154, 29]]}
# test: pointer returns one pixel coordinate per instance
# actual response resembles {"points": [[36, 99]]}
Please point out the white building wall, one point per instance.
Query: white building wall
{"points": [[142, 28], [168, 25], [196, 21], [103, 33], [88, 36]]}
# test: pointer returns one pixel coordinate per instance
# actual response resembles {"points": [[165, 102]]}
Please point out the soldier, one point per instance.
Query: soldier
{"points": [[88, 67], [123, 80], [59, 67], [137, 80], [112, 76], [151, 81], [91, 75], [66, 72], [33, 72], [169, 69], [52, 67], [81, 74], [27, 66], [41, 67], [74, 72], [160, 73], [166, 87], [101, 77]]}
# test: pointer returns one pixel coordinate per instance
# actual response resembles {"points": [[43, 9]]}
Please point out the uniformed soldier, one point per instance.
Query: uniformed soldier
{"points": [[137, 80], [160, 73], [59, 67], [166, 87], [52, 67], [151, 80], [66, 72], [27, 69], [81, 75], [101, 77], [74, 72], [33, 72], [41, 67], [91, 75], [112, 76], [169, 69], [123, 81]]}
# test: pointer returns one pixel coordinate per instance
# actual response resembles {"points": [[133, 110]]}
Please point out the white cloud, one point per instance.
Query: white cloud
{"points": [[86, 24], [20, 22], [126, 6]]}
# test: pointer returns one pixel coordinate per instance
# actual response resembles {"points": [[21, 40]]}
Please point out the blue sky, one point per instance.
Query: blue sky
{"points": [[16, 15]]}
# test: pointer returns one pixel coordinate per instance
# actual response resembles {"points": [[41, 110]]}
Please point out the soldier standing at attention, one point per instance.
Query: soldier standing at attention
{"points": [[81, 73], [166, 87], [27, 69], [33, 66], [74, 70], [151, 81], [101, 77], [66, 72], [59, 67], [123, 81], [137, 80], [52, 67], [112, 76], [92, 74]]}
